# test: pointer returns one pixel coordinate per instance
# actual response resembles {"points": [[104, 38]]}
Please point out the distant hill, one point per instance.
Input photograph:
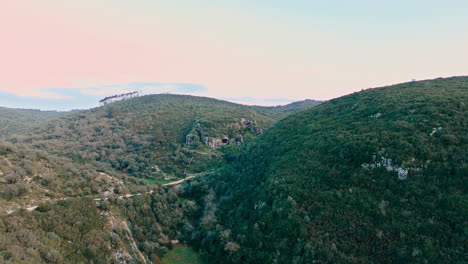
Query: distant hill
{"points": [[156, 136], [378, 176], [18, 121], [294, 106]]}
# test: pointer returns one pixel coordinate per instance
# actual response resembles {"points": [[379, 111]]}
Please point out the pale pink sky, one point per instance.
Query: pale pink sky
{"points": [[240, 50]]}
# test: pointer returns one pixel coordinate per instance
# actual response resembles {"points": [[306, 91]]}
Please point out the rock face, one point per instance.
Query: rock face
{"points": [[190, 140], [235, 131], [387, 164], [251, 125], [215, 143]]}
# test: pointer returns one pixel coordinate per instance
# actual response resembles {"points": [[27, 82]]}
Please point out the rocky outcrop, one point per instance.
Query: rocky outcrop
{"points": [[190, 140], [435, 131], [387, 164], [234, 134], [215, 143], [252, 126]]}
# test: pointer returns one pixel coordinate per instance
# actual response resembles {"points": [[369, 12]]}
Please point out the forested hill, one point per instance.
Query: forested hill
{"points": [[53, 210], [156, 136], [18, 121], [378, 176]]}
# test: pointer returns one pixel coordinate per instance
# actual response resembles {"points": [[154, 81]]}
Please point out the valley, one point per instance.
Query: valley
{"points": [[377, 176]]}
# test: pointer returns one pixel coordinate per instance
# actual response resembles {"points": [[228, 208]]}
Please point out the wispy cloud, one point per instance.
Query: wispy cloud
{"points": [[88, 97], [53, 102], [84, 98], [145, 87]]}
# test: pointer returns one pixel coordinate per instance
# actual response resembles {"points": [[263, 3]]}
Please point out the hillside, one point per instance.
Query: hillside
{"points": [[294, 107], [29, 177], [378, 176], [156, 136], [64, 192], [53, 210], [46, 202], [18, 121]]}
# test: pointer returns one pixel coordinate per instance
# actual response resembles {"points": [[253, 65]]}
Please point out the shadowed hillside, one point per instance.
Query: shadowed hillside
{"points": [[378, 176]]}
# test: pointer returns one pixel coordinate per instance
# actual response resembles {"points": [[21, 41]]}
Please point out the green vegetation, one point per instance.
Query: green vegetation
{"points": [[67, 232], [293, 107], [378, 176], [151, 181], [182, 254], [160, 220], [32, 175], [18, 121], [155, 136]]}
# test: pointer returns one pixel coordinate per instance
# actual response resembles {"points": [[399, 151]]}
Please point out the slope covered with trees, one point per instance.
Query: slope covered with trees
{"points": [[29, 176], [61, 202], [54, 210], [157, 136], [18, 121], [378, 176]]}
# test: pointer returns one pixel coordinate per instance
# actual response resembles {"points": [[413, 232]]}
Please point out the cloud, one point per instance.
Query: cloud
{"points": [[103, 90], [61, 102], [146, 88], [88, 97], [84, 98]]}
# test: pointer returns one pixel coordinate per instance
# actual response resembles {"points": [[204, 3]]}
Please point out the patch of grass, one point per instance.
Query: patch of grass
{"points": [[155, 181], [150, 181], [182, 254], [164, 181]]}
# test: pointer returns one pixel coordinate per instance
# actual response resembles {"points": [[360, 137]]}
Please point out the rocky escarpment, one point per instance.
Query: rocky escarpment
{"points": [[234, 134]]}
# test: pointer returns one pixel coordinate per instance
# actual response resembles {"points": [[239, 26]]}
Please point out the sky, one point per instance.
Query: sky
{"points": [[62, 55]]}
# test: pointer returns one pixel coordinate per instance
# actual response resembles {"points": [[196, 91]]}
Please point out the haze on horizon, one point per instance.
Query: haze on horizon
{"points": [[67, 54]]}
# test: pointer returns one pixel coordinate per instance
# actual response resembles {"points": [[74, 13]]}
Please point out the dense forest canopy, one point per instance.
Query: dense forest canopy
{"points": [[378, 176]]}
